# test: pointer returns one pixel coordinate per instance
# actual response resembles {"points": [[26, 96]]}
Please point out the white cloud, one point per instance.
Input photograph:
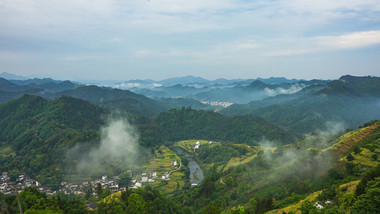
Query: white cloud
{"points": [[287, 52], [78, 58], [142, 53], [351, 40], [207, 32]]}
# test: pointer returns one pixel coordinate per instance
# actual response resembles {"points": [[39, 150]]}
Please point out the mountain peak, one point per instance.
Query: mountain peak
{"points": [[10, 76], [257, 84]]}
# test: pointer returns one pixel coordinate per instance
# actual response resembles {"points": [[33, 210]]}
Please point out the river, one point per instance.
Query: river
{"points": [[196, 173]]}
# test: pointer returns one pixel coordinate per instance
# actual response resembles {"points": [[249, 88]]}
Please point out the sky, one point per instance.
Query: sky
{"points": [[157, 39]]}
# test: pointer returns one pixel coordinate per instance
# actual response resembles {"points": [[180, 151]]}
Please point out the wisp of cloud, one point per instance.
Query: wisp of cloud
{"points": [[118, 149]]}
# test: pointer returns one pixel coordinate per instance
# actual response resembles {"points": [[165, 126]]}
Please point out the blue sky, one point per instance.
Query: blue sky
{"points": [[156, 39]]}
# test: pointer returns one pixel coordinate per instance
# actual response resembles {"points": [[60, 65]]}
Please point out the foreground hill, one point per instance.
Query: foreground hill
{"points": [[292, 178], [350, 100], [317, 168]]}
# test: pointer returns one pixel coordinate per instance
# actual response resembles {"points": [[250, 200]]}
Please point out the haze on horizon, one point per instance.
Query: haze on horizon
{"points": [[157, 39]]}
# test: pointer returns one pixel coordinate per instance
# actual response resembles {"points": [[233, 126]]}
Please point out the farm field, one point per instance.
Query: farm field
{"points": [[161, 163]]}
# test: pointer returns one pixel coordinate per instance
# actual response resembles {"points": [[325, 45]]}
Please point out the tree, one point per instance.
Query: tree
{"points": [[307, 208], [250, 207], [369, 202], [350, 157], [99, 190], [347, 200], [212, 208], [88, 191], [124, 179], [368, 176], [357, 150], [350, 168], [136, 204], [335, 174]]}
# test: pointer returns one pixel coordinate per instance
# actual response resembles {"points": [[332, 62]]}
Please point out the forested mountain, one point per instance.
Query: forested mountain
{"points": [[123, 100], [316, 168], [36, 133], [350, 100], [113, 99], [187, 123], [5, 85]]}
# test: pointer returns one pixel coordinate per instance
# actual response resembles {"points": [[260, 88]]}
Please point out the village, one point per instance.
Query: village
{"points": [[8, 187], [137, 179]]}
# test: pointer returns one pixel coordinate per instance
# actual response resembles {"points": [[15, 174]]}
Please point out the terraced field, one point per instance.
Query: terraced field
{"points": [[294, 208], [346, 142], [161, 163], [235, 161], [186, 144], [364, 158], [351, 139], [343, 189]]}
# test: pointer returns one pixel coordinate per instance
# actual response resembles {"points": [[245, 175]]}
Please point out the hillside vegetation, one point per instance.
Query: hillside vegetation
{"points": [[349, 100], [293, 175]]}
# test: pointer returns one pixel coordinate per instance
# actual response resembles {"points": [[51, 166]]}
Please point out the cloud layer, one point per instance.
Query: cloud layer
{"points": [[137, 39]]}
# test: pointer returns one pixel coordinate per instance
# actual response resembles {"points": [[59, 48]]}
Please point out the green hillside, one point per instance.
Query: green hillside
{"points": [[284, 178], [36, 133], [349, 100], [186, 123]]}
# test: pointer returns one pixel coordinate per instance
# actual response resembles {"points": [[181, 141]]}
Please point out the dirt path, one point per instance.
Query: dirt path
{"points": [[221, 181], [180, 165]]}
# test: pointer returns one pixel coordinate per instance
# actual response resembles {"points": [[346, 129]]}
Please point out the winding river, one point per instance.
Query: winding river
{"points": [[196, 173]]}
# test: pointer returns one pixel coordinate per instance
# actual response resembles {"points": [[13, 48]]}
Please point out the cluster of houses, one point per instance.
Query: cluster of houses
{"points": [[8, 187], [319, 205], [79, 189], [151, 177], [148, 178], [145, 178], [217, 103]]}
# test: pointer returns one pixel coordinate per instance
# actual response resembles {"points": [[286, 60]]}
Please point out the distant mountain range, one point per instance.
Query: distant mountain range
{"points": [[239, 92], [297, 105], [349, 100], [9, 76], [196, 82], [113, 99]]}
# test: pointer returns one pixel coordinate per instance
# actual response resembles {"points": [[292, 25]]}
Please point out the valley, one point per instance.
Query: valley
{"points": [[106, 147]]}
